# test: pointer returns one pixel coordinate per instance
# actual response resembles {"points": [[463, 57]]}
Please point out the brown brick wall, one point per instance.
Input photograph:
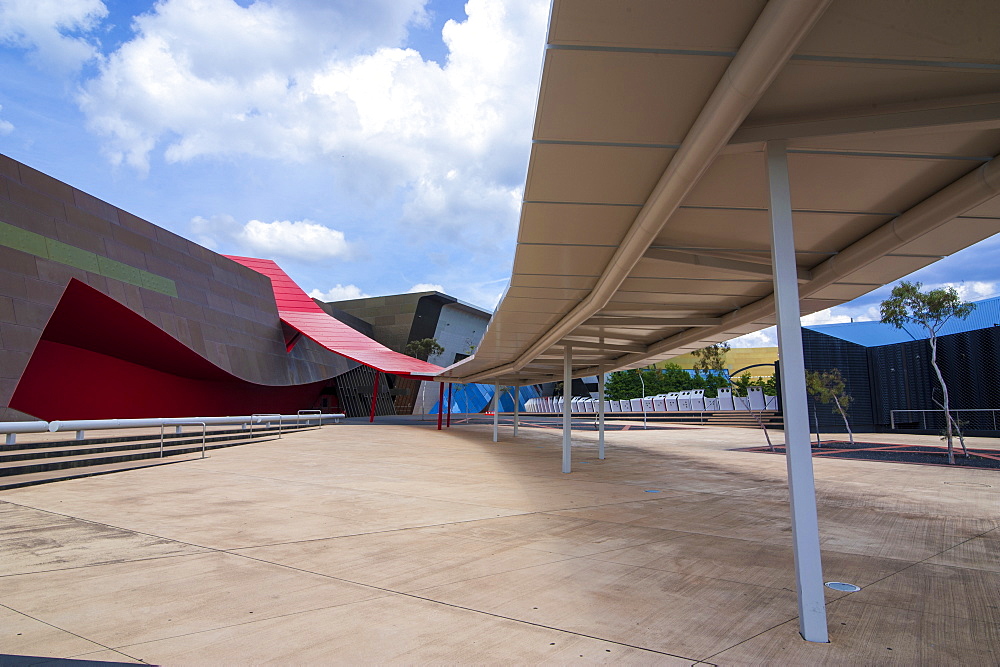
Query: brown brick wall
{"points": [[222, 310]]}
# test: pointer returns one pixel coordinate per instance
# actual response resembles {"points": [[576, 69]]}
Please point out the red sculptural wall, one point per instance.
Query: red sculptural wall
{"points": [[98, 359]]}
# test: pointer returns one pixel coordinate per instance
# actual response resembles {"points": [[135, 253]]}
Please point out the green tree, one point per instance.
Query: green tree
{"points": [[742, 383], [622, 385], [423, 349], [827, 387], [710, 367], [711, 358], [769, 385], [745, 381], [670, 377], [929, 311]]}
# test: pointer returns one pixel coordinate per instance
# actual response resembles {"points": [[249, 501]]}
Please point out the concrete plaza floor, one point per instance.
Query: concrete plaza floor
{"points": [[402, 544]]}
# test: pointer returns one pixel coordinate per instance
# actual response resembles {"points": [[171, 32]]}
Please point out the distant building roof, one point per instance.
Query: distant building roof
{"points": [[873, 334]]}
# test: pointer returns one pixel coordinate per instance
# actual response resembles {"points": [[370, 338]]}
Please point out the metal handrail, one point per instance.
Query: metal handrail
{"points": [[11, 429], [300, 413], [259, 416], [204, 431], [955, 411]]}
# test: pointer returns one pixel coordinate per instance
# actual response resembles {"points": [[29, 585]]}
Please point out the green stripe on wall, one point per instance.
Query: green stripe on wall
{"points": [[63, 253]]}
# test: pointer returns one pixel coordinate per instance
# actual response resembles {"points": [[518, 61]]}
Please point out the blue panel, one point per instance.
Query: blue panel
{"points": [[476, 398], [873, 334]]}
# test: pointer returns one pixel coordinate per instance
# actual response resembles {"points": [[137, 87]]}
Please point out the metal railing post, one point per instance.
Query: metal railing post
{"points": [[319, 420], [260, 416], [178, 428]]}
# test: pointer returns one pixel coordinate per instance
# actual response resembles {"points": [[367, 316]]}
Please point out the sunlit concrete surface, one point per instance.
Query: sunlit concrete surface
{"points": [[403, 544]]}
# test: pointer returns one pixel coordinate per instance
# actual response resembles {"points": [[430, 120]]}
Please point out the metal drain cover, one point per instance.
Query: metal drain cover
{"points": [[841, 586]]}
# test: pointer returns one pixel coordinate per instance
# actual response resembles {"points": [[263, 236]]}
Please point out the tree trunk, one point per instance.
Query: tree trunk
{"points": [[850, 434], [961, 438], [944, 403]]}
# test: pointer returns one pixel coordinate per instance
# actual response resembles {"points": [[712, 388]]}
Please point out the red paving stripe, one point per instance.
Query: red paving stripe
{"points": [[900, 449]]}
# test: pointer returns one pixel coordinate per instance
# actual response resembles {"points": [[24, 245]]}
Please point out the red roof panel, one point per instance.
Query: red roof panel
{"points": [[299, 311]]}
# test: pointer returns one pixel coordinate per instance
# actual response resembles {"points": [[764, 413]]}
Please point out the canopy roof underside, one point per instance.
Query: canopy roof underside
{"points": [[645, 229]]}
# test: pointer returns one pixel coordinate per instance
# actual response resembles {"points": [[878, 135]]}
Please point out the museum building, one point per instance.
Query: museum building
{"points": [[106, 315]]}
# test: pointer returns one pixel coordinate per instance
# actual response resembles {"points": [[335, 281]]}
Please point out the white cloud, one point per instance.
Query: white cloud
{"points": [[764, 338], [972, 290], [824, 317], [837, 315], [302, 240], [426, 287], [291, 81], [339, 293], [841, 314], [6, 127], [215, 232], [53, 30]]}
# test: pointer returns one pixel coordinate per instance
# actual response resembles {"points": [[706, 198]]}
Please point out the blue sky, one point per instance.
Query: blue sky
{"points": [[369, 147]]}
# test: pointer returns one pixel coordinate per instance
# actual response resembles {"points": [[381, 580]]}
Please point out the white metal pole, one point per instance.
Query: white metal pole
{"points": [[600, 415], [798, 453], [517, 400], [567, 456], [639, 371], [496, 408]]}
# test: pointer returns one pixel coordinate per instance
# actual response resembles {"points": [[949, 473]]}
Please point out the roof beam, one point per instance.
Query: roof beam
{"points": [[652, 322], [716, 262], [975, 188], [649, 310], [977, 113], [597, 334], [774, 37], [577, 341]]}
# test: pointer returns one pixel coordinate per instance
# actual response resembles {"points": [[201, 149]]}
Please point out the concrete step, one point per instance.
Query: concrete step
{"points": [[43, 461], [30, 479], [42, 450]]}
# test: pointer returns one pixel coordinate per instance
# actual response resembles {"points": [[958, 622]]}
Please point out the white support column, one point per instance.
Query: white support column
{"points": [[600, 415], [517, 397], [798, 457], [496, 409], [567, 457]]}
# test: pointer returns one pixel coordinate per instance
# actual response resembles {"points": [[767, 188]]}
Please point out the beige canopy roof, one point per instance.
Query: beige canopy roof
{"points": [[645, 230]]}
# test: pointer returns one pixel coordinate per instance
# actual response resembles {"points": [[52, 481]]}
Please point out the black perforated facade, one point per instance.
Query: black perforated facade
{"points": [[900, 377]]}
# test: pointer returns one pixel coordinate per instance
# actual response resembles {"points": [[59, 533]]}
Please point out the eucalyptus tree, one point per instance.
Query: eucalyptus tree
{"points": [[423, 349], [929, 311], [827, 387]]}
